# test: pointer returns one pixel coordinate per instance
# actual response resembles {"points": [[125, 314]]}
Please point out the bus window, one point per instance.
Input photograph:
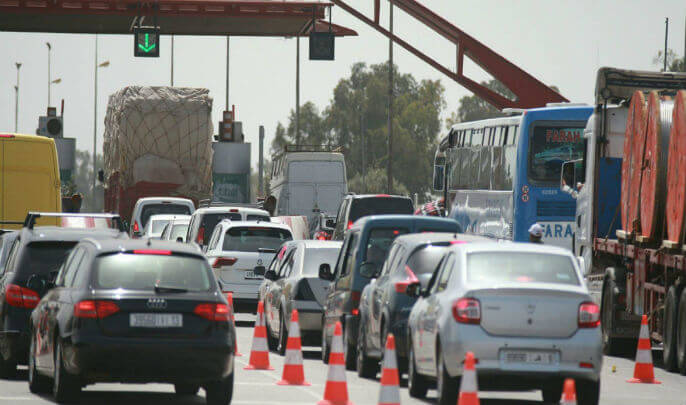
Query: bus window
{"points": [[509, 166], [506, 141], [551, 146], [497, 177], [464, 161], [484, 182], [474, 168]]}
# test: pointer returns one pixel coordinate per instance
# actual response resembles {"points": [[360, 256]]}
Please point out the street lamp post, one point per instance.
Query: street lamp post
{"points": [[49, 77], [95, 115], [16, 101]]}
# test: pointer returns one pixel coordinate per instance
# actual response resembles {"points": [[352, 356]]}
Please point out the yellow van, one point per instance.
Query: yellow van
{"points": [[29, 178]]}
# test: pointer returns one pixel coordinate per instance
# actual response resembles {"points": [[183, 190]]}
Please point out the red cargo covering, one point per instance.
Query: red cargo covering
{"points": [[635, 125], [676, 173]]}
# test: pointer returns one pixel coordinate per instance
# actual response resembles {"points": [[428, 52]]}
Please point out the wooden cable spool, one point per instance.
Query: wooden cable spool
{"points": [[653, 176], [635, 124], [676, 173]]}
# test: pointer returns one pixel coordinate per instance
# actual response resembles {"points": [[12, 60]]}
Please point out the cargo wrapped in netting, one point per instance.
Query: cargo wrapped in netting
{"points": [[160, 135]]}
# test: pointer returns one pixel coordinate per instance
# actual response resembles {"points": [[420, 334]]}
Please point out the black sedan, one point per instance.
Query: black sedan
{"points": [[133, 311]]}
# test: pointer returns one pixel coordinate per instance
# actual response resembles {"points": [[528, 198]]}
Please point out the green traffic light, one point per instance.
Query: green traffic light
{"points": [[148, 46]]}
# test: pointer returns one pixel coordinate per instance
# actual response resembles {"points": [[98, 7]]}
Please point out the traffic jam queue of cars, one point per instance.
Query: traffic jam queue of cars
{"points": [[88, 302]]}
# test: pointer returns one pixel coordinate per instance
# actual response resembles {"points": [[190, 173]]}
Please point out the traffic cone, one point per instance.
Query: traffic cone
{"points": [[293, 371], [468, 388], [389, 394], [336, 391], [259, 352], [643, 370], [229, 298], [569, 393]]}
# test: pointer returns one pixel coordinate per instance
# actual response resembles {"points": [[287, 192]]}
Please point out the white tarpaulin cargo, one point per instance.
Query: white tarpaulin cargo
{"points": [[160, 135]]}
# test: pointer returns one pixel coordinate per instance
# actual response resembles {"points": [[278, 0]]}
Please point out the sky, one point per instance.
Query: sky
{"points": [[560, 42]]}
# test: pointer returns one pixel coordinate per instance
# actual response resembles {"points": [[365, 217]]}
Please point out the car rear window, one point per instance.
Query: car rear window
{"points": [[179, 231], [144, 271], [380, 240], [520, 267], [159, 209], [210, 221], [362, 207], [158, 225], [44, 257], [315, 257], [258, 218], [425, 260], [250, 239]]}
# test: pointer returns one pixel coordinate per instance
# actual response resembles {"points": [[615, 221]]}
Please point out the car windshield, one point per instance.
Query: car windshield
{"points": [[158, 225], [425, 260], [379, 243], [362, 207], [315, 257], [519, 267], [144, 271], [552, 146], [158, 209], [45, 257], [210, 221], [250, 239], [179, 231]]}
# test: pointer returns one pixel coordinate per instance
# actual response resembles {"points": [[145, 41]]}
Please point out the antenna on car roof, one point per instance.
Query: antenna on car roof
{"points": [[148, 241]]}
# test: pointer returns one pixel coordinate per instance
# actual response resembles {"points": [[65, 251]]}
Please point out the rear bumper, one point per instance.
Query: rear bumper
{"points": [[309, 315], [14, 346], [585, 346], [148, 360]]}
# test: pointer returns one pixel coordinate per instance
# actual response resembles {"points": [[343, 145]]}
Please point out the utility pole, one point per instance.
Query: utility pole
{"points": [[260, 167], [684, 66], [95, 121], [172, 60], [227, 73], [389, 163], [16, 100], [666, 35], [49, 77], [364, 152], [297, 90]]}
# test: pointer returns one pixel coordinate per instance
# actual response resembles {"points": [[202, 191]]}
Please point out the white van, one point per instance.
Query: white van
{"points": [[308, 182], [149, 206]]}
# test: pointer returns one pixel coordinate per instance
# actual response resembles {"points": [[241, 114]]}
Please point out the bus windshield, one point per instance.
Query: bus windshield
{"points": [[550, 147]]}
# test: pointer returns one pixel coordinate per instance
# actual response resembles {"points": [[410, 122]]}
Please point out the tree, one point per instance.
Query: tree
{"points": [[675, 63]]}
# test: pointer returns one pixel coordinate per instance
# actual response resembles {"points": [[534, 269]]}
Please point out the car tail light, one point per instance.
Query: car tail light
{"points": [[350, 224], [383, 195], [95, 309], [213, 312], [152, 252], [467, 310], [136, 228], [6, 136], [401, 286], [589, 315], [21, 297], [585, 365], [303, 291], [224, 261], [322, 235], [201, 235]]}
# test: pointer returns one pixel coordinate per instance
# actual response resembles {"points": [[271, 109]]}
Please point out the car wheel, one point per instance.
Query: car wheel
{"points": [[446, 386], [65, 387], [610, 344], [350, 353], [587, 392], [186, 389], [38, 384], [366, 366], [669, 323], [272, 342], [283, 335], [552, 392], [681, 334], [325, 347], [219, 392], [416, 383]]}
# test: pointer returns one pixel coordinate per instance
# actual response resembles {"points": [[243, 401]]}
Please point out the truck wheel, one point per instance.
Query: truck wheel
{"points": [[681, 334], [610, 344], [588, 392], [669, 354]]}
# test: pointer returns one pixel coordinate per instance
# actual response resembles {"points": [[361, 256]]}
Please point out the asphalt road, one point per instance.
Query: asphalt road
{"points": [[258, 387]]}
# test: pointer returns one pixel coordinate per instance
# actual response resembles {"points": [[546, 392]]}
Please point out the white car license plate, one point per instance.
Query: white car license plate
{"points": [[250, 275], [529, 357], [155, 320]]}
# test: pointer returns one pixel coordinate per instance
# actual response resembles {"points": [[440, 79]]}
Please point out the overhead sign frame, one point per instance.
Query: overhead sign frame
{"points": [[146, 42]]}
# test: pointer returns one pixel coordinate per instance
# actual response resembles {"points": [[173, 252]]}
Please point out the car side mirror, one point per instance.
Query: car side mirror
{"points": [[271, 275], [36, 283], [259, 270], [414, 290], [325, 272], [330, 223], [179, 239], [368, 270]]}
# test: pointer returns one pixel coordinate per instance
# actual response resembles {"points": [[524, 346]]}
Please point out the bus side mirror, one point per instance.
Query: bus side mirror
{"points": [[568, 176]]}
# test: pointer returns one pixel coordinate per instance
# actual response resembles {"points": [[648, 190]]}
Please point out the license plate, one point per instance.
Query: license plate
{"points": [[529, 357], [155, 320], [250, 275]]}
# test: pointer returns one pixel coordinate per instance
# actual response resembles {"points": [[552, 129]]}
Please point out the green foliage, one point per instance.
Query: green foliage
{"points": [[675, 63], [474, 108], [356, 121], [375, 182]]}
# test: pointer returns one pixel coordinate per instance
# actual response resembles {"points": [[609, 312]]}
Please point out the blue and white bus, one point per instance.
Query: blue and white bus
{"points": [[501, 175]]}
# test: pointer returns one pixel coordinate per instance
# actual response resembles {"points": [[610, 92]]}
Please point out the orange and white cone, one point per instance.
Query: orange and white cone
{"points": [[336, 391], [259, 352], [293, 371], [469, 391], [229, 298], [389, 394], [643, 370], [568, 393]]}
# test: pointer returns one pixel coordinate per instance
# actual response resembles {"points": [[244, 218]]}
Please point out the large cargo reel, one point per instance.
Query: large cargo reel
{"points": [[635, 124], [653, 175], [676, 174]]}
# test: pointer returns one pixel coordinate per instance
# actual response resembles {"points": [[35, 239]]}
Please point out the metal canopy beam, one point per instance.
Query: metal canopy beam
{"points": [[529, 92]]}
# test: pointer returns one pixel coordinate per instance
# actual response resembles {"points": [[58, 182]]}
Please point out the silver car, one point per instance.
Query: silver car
{"points": [[522, 309]]}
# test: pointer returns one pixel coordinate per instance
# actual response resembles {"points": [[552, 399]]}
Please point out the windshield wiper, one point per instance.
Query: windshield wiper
{"points": [[163, 289]]}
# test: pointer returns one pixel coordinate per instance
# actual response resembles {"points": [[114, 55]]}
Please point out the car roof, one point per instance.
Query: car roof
{"points": [[152, 200], [398, 220], [360, 196], [107, 246], [54, 233], [415, 239], [262, 224], [168, 217], [511, 247], [229, 209]]}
